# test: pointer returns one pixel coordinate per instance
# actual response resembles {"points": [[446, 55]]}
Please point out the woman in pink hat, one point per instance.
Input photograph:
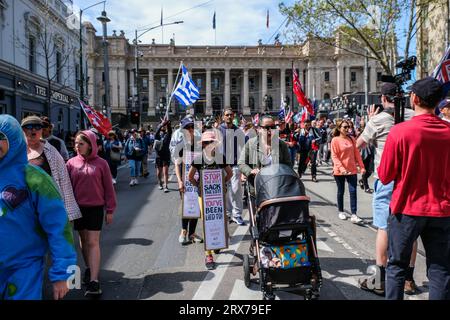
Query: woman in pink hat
{"points": [[209, 160]]}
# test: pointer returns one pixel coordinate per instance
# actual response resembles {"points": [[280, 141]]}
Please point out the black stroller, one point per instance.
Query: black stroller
{"points": [[283, 249]]}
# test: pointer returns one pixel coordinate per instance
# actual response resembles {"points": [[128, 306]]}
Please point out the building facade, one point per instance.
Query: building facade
{"points": [[249, 79], [433, 36], [39, 62]]}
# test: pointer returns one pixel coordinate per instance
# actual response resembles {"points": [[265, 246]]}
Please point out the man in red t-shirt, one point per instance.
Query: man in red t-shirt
{"points": [[417, 157]]}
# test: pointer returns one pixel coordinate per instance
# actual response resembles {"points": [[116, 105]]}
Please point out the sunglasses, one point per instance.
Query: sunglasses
{"points": [[3, 137], [207, 143], [32, 126], [345, 127], [269, 127]]}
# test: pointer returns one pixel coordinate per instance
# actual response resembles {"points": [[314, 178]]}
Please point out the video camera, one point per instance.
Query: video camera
{"points": [[406, 66]]}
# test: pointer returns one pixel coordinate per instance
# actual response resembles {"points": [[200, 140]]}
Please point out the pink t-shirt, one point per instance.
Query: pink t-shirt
{"points": [[345, 155]]}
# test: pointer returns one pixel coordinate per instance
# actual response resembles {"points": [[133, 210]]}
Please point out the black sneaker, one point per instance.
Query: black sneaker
{"points": [[87, 276], [93, 289]]}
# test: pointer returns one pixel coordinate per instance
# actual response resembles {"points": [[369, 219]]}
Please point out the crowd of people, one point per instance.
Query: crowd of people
{"points": [[72, 187]]}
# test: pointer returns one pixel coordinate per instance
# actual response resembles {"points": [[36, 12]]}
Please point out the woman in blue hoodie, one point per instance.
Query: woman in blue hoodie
{"points": [[32, 213]]}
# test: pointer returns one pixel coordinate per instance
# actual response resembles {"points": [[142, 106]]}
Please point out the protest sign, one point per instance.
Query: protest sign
{"points": [[191, 207], [213, 205]]}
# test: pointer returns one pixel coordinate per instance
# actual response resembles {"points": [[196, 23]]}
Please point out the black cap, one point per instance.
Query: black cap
{"points": [[429, 89], [389, 89]]}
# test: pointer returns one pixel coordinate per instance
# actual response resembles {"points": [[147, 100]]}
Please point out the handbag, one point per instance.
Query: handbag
{"points": [[115, 156]]}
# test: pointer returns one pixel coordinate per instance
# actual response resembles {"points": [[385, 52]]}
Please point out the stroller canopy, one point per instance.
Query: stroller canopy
{"points": [[277, 181]]}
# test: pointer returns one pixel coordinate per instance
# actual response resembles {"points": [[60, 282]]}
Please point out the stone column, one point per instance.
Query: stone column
{"points": [[151, 93], [227, 89], [373, 78], [340, 78], [263, 88], [309, 81], [208, 110], [123, 89], [347, 79], [283, 83], [246, 101], [92, 87], [114, 91]]}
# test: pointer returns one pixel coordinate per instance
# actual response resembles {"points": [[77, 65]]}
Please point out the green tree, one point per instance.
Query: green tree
{"points": [[363, 27]]}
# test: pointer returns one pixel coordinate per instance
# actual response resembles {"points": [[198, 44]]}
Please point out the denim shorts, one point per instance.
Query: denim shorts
{"points": [[380, 204]]}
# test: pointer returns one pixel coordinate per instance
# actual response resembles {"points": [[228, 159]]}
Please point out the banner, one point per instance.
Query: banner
{"points": [[190, 205], [213, 205]]}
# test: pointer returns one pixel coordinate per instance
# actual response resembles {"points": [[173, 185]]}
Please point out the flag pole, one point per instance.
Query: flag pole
{"points": [[173, 90], [292, 89]]}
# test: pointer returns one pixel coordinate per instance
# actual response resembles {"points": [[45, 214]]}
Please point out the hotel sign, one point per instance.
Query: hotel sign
{"points": [[58, 96]]}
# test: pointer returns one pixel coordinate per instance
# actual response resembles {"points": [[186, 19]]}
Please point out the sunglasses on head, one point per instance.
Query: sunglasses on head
{"points": [[3, 137], [33, 126], [269, 127]]}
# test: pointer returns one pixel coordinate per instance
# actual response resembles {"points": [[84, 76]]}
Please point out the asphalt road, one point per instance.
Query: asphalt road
{"points": [[142, 259]]}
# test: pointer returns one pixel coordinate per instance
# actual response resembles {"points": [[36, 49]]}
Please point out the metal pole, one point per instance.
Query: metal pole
{"points": [[81, 72], [136, 78], [106, 69], [366, 79]]}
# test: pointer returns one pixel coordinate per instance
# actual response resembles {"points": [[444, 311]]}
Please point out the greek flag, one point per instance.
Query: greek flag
{"points": [[186, 92]]}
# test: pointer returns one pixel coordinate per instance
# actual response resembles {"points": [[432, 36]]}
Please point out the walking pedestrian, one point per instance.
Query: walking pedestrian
{"points": [[42, 154], [376, 133], [415, 154], [188, 226], [113, 148], [47, 134], [209, 160], [308, 140], [232, 142], [92, 184], [33, 221], [134, 151], [144, 163], [163, 138], [346, 159]]}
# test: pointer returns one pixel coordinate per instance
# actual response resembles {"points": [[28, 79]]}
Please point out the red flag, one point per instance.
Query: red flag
{"points": [[301, 97], [304, 115], [98, 120]]}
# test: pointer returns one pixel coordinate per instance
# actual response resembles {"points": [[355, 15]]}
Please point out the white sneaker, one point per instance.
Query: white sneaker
{"points": [[114, 181], [342, 216], [132, 183], [355, 219], [136, 182]]}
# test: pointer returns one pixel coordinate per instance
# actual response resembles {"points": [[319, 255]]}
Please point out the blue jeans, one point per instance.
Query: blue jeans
{"points": [[403, 230], [135, 168], [293, 154], [352, 181]]}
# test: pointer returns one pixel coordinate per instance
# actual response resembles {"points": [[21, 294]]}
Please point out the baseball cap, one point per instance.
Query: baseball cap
{"points": [[429, 89], [186, 122], [389, 89], [444, 104], [31, 120]]}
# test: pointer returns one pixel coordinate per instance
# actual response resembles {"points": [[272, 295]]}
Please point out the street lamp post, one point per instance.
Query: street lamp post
{"points": [[82, 82], [136, 65], [104, 20]]}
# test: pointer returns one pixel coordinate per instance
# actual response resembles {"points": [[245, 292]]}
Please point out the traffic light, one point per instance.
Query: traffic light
{"points": [[135, 117]]}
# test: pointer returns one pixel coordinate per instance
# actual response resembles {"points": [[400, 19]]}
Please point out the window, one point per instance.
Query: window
{"points": [[144, 83], [288, 81], [327, 76], [199, 83], [233, 83], [379, 76], [32, 54], [163, 83], [252, 83], [216, 84], [251, 103], [269, 82], [58, 66], [353, 76]]}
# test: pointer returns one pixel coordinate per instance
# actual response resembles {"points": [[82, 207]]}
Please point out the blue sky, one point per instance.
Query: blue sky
{"points": [[239, 22]]}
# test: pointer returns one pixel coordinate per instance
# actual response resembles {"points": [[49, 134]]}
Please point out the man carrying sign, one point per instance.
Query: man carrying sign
{"points": [[209, 160]]}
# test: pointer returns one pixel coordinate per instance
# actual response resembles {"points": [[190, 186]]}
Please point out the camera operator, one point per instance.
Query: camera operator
{"points": [[376, 132], [416, 158]]}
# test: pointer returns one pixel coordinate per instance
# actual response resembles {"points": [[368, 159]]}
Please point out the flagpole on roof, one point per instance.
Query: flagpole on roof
{"points": [[173, 90]]}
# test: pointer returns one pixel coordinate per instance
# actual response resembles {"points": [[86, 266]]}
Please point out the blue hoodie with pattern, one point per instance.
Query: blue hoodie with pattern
{"points": [[33, 219]]}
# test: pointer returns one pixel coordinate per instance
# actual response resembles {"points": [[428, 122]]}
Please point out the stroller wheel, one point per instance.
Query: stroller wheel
{"points": [[246, 264]]}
